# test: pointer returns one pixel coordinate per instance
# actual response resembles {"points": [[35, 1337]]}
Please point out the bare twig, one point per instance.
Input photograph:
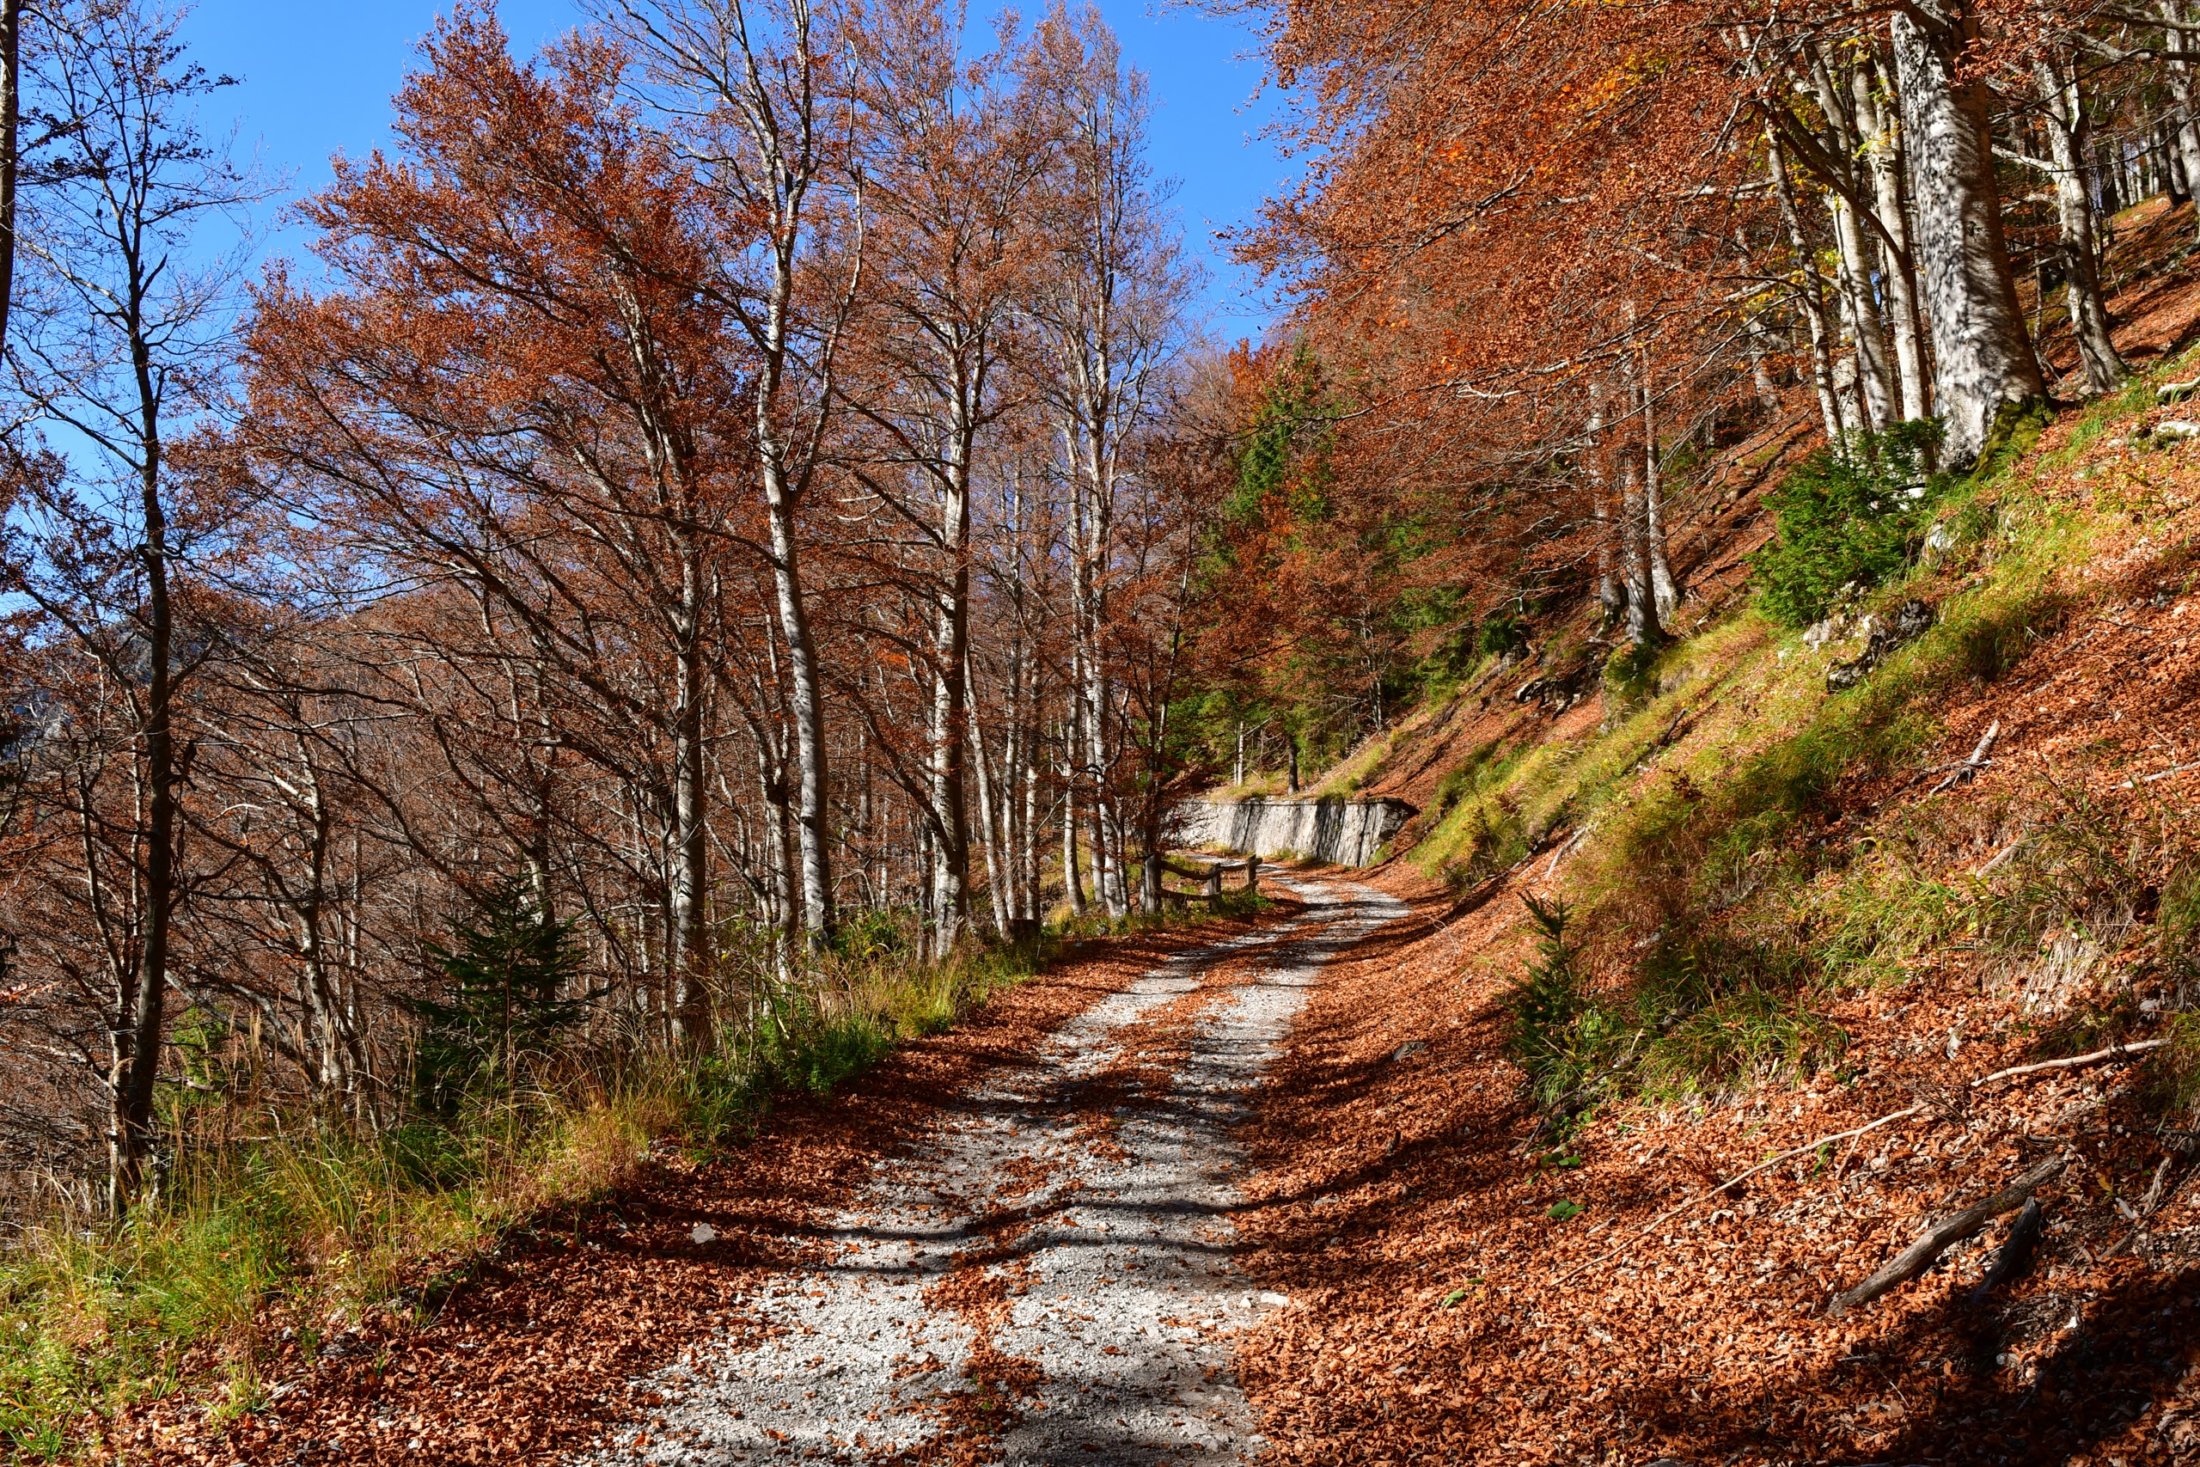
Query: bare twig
{"points": [[1736, 1180], [2074, 1062], [1573, 843], [2167, 1179], [1999, 857], [1974, 764], [2132, 784]]}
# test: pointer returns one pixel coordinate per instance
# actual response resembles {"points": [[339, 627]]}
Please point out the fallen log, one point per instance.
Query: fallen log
{"points": [[1943, 1235]]}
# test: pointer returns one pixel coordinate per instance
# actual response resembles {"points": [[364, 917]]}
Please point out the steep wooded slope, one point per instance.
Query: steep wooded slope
{"points": [[1803, 928]]}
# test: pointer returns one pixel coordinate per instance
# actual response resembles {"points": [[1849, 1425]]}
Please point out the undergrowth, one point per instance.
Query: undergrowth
{"points": [[1850, 520], [1696, 1017], [1725, 902]]}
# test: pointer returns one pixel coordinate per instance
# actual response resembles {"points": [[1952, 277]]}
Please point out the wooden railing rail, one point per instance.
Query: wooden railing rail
{"points": [[1210, 873]]}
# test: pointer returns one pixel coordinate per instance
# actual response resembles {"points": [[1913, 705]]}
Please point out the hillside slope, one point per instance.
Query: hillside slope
{"points": [[1789, 926]]}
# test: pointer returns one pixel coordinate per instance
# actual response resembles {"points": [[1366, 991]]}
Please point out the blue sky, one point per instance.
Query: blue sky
{"points": [[317, 78]]}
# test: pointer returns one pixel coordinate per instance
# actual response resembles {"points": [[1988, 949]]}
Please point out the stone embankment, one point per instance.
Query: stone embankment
{"points": [[1331, 829]]}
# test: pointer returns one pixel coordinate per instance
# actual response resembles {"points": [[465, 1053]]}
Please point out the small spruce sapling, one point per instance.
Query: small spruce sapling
{"points": [[1852, 517], [1547, 1003], [510, 974]]}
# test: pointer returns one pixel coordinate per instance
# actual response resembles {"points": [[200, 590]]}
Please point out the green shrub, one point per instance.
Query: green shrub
{"points": [[2178, 933], [1479, 771], [719, 1098], [1706, 1013], [2175, 1071], [433, 1154], [2082, 871], [833, 1051], [873, 933], [1847, 517], [1746, 1026], [1484, 840], [1558, 1034], [1631, 673], [1503, 633]]}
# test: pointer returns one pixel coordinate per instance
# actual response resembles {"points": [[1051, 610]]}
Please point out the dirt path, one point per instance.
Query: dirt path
{"points": [[1048, 1278]]}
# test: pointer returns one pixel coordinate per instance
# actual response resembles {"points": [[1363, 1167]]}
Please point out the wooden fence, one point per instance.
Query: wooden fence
{"points": [[1210, 872]]}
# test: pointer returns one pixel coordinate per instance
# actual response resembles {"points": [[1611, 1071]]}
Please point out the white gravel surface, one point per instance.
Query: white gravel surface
{"points": [[1107, 1251]]}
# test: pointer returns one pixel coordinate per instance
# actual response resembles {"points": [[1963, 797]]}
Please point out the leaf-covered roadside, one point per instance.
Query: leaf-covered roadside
{"points": [[525, 1346]]}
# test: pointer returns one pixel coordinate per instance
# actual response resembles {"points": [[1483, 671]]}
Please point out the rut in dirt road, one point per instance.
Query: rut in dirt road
{"points": [[1048, 1278]]}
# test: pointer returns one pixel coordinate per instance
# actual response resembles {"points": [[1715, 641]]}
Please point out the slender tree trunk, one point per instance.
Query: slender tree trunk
{"points": [[2186, 122], [1876, 389], [1611, 588], [782, 881], [333, 1046], [949, 713], [1665, 587], [689, 878], [1097, 700], [995, 830], [805, 710], [2067, 127], [1031, 909], [1860, 314], [1760, 373], [1809, 292], [1982, 357], [1153, 819], [1905, 327], [140, 1035], [1073, 876], [1644, 627], [11, 111]]}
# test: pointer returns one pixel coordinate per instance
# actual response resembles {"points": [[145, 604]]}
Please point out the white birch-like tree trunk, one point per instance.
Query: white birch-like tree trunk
{"points": [[2185, 124], [1881, 143], [1665, 587], [1983, 361], [1809, 292], [2063, 113]]}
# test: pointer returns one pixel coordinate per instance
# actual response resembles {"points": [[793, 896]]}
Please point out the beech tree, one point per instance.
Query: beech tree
{"points": [[1108, 315], [1557, 253], [117, 342], [663, 520], [952, 159], [523, 389], [759, 122], [2068, 130], [1983, 361]]}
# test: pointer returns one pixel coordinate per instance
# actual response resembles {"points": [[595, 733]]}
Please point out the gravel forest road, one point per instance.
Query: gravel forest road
{"points": [[1047, 1278]]}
